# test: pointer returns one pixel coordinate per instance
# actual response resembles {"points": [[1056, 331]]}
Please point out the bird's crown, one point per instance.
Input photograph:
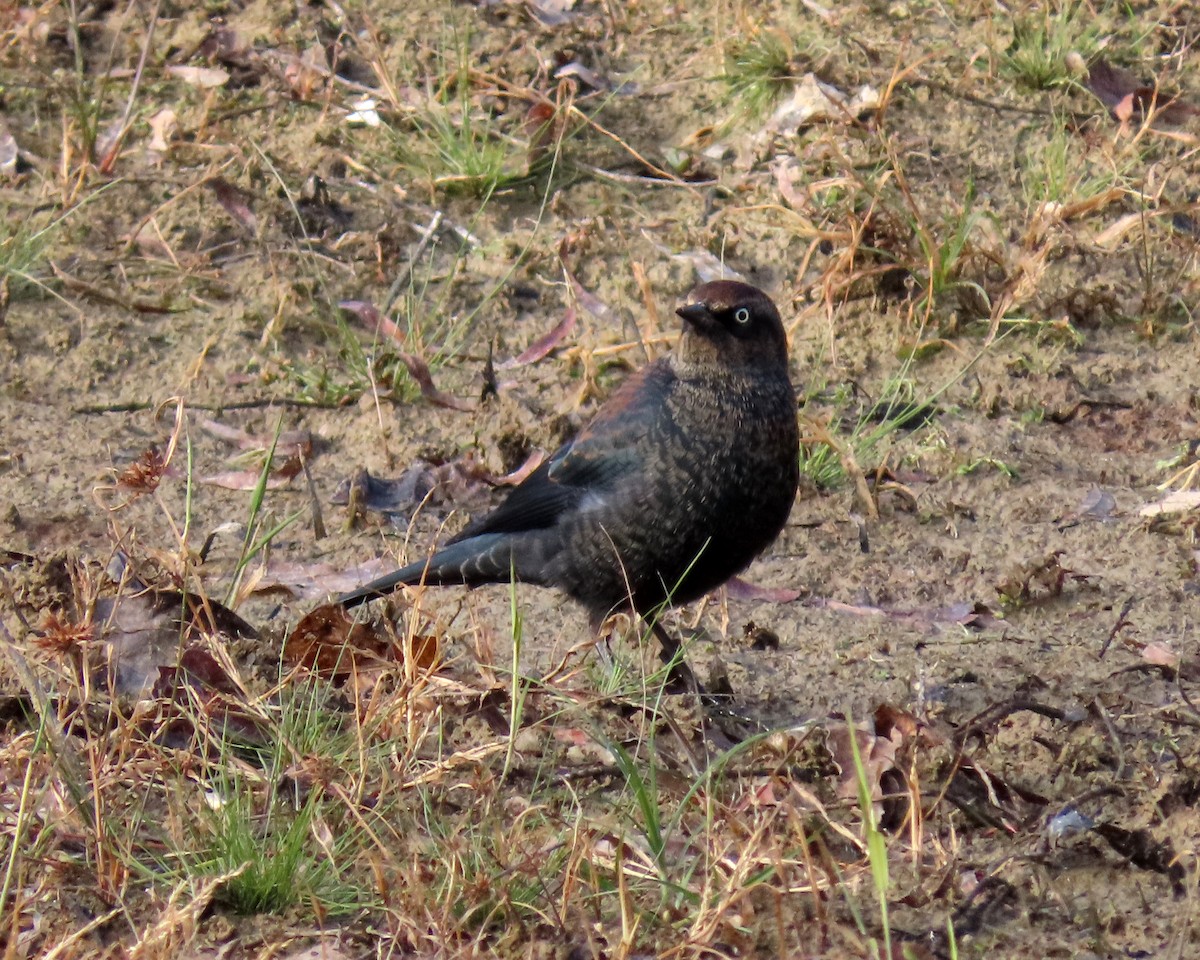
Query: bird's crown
{"points": [[735, 307]]}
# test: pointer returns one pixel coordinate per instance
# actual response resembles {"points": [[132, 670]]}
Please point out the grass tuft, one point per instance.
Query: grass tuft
{"points": [[759, 70], [1037, 57]]}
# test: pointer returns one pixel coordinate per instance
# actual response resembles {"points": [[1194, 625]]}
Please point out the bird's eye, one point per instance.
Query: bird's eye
{"points": [[742, 316]]}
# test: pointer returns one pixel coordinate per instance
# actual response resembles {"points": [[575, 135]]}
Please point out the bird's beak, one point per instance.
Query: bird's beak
{"points": [[696, 314]]}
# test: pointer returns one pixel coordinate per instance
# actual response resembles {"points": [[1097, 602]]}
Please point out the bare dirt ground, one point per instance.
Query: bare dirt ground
{"points": [[425, 245]]}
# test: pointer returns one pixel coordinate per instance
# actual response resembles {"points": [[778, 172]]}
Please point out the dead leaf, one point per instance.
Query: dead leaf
{"points": [[879, 739], [454, 481], [418, 369], [306, 74], [142, 634], [1160, 654], [1129, 99], [223, 44], [1177, 501], [9, 154], [761, 795], [330, 644], [376, 321], [592, 303], [387, 495], [709, 266], [294, 443], [234, 202], [1097, 505], [542, 132], [315, 580], [551, 13], [876, 753], [206, 78], [813, 101], [280, 477], [199, 669], [1040, 579], [788, 173], [199, 693], [543, 345], [162, 124]]}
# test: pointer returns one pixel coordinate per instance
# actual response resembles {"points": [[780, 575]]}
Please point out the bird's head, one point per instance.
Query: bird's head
{"points": [[732, 325]]}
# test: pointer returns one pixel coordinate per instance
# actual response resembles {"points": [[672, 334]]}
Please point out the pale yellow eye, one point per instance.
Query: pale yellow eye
{"points": [[742, 316]]}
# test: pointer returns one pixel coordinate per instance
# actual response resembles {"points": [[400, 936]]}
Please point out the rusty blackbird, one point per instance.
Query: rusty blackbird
{"points": [[682, 478]]}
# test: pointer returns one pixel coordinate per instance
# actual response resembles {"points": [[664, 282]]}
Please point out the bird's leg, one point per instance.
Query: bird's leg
{"points": [[680, 678]]}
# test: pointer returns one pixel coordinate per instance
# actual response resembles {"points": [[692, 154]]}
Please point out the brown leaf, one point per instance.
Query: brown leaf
{"points": [[198, 669], [814, 101], [418, 369], [543, 345], [879, 740], [541, 130], [306, 74], [314, 580], [1040, 579], [279, 478], [369, 314], [295, 443], [1129, 99], [234, 202], [1160, 654], [332, 645], [789, 174], [592, 303], [521, 474], [384, 494], [877, 753], [142, 635], [223, 44]]}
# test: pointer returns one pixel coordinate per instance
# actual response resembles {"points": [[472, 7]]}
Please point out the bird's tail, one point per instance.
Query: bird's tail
{"points": [[482, 559]]}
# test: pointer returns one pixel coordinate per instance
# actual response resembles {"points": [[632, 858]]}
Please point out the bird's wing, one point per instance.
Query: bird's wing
{"points": [[535, 504], [614, 443], [606, 450]]}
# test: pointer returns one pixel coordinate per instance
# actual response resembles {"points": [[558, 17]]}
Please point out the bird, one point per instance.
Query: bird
{"points": [[685, 475]]}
